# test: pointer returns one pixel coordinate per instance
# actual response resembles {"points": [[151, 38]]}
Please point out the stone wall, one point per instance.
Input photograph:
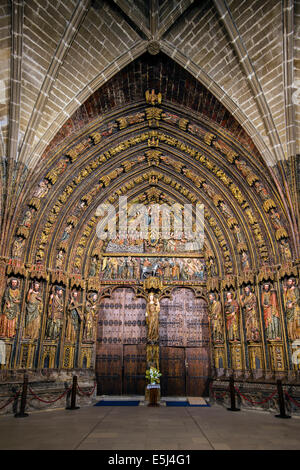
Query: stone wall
{"points": [[48, 385], [258, 392]]}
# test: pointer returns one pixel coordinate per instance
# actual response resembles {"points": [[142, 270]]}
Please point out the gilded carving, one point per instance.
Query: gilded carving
{"points": [[90, 317], [232, 313], [250, 310], [270, 311], [10, 309], [152, 318], [74, 317], [215, 318], [54, 174], [152, 97], [291, 299], [55, 313], [34, 305]]}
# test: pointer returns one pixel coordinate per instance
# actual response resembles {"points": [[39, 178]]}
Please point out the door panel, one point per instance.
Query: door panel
{"points": [[172, 367], [121, 323], [184, 323], [134, 369], [197, 371], [122, 337], [109, 362], [183, 320]]}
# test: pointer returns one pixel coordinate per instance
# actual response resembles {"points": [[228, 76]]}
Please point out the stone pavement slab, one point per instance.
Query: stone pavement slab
{"points": [[137, 428]]}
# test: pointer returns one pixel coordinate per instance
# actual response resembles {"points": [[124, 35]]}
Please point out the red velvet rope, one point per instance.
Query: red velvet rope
{"points": [[10, 400], [292, 399], [88, 394], [51, 401], [255, 402]]}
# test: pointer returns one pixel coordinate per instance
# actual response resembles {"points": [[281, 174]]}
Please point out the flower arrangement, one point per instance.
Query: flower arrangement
{"points": [[153, 375]]}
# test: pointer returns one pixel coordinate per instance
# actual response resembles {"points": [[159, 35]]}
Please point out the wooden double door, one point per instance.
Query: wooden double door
{"points": [[121, 369], [122, 338], [185, 371]]}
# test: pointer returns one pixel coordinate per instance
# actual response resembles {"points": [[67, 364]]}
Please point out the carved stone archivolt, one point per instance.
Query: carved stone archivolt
{"points": [[151, 152], [223, 148]]}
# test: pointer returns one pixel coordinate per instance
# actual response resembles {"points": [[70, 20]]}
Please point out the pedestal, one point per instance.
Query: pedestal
{"points": [[153, 391]]}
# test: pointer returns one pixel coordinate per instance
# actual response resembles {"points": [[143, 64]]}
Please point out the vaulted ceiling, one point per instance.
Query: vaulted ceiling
{"points": [[70, 69]]}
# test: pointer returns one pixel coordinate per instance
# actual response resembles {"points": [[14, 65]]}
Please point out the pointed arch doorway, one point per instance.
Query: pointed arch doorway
{"points": [[184, 344]]}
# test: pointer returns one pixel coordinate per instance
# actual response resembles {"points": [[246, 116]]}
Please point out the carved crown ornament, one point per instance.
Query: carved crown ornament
{"points": [[153, 283], [267, 273], [246, 278]]}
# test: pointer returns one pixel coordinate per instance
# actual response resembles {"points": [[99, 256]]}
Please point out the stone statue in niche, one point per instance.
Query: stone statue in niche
{"points": [[215, 317], [136, 268], [55, 313], [152, 97], [93, 266], [211, 266], [60, 259], [34, 305], [129, 266], [90, 316], [54, 174], [291, 299], [27, 219], [73, 317], [152, 318], [245, 261], [232, 313], [10, 309], [18, 247], [41, 190], [67, 233], [270, 310], [249, 306], [285, 250]]}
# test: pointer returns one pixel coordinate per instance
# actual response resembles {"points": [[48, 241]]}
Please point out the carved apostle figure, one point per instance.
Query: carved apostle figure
{"points": [[60, 259], [33, 311], [285, 250], [211, 266], [129, 266], [67, 232], [270, 309], [292, 308], [18, 247], [232, 312], [55, 313], [93, 266], [11, 309], [136, 268], [215, 317], [249, 306], [41, 190], [73, 317], [152, 318], [90, 317], [27, 218], [245, 261]]}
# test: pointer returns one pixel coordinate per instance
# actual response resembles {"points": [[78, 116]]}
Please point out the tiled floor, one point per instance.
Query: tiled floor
{"points": [[141, 427]]}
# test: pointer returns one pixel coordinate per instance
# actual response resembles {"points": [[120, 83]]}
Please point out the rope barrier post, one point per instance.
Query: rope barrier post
{"points": [[232, 395], [73, 395], [281, 402], [22, 413]]}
